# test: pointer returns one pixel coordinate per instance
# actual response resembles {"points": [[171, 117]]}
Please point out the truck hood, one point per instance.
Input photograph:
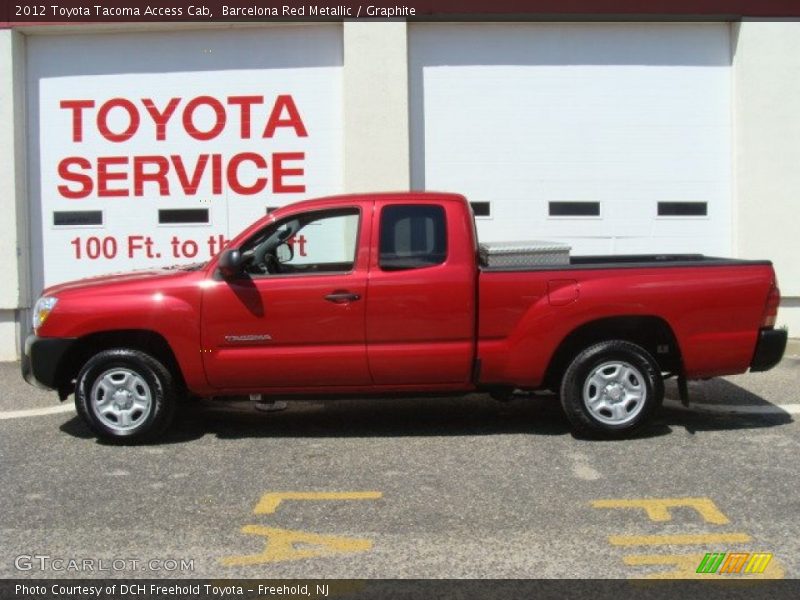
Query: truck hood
{"points": [[156, 277]]}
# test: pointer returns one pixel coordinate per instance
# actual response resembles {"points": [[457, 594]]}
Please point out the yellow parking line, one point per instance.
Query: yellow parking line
{"points": [[685, 566], [666, 540], [657, 509], [269, 502]]}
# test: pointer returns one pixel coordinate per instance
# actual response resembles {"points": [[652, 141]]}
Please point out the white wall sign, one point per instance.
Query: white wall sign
{"points": [[141, 169]]}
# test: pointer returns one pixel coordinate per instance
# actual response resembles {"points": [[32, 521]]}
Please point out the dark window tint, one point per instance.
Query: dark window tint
{"points": [[481, 209], [574, 209], [171, 216], [412, 236], [682, 209], [271, 208], [78, 217]]}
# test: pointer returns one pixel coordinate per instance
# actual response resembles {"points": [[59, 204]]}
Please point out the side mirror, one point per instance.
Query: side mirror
{"points": [[284, 253], [230, 263]]}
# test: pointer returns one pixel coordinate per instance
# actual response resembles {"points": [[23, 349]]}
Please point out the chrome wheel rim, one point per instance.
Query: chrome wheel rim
{"points": [[615, 392], [121, 399]]}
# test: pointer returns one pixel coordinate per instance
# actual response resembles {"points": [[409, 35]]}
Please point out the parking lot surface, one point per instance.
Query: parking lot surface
{"points": [[404, 488]]}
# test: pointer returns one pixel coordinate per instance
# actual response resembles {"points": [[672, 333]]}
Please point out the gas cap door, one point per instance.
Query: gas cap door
{"points": [[561, 292]]}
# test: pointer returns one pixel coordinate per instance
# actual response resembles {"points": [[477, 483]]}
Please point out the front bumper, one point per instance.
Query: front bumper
{"points": [[42, 359], [769, 349]]}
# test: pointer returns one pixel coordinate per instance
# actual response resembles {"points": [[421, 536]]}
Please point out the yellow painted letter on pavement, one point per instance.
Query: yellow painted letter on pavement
{"points": [[280, 546], [658, 509]]}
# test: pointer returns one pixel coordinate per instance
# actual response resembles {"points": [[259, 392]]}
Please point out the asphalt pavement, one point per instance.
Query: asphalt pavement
{"points": [[404, 488]]}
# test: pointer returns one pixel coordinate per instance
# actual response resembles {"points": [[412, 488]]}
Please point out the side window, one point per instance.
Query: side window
{"points": [[326, 243], [315, 242], [413, 236]]}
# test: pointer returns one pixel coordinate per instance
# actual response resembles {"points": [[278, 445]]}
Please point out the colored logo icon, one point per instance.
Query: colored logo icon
{"points": [[733, 563]]}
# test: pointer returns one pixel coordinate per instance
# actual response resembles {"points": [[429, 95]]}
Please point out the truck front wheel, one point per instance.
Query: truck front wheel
{"points": [[611, 389], [125, 395]]}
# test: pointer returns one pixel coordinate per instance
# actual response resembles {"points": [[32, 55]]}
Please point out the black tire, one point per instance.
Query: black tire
{"points": [[611, 389], [137, 391]]}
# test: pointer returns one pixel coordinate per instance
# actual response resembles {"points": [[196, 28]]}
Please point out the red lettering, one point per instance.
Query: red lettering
{"points": [[292, 120], [77, 106], [216, 174], [66, 174], [298, 244], [190, 248], [159, 176], [104, 176], [284, 114], [279, 172], [190, 185], [244, 103], [102, 120], [188, 118], [246, 173], [161, 118], [233, 173]]}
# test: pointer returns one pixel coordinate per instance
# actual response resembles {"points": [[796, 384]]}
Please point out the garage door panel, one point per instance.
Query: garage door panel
{"points": [[627, 115], [674, 244]]}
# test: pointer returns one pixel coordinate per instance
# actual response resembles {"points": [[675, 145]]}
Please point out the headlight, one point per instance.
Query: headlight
{"points": [[42, 309]]}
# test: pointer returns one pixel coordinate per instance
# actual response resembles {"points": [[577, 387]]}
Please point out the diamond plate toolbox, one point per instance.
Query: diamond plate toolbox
{"points": [[523, 255]]}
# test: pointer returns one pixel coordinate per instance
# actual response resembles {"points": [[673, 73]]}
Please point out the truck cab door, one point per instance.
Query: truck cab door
{"points": [[294, 317], [421, 304]]}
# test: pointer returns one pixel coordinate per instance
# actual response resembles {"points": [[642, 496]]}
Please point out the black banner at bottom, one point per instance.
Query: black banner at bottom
{"points": [[358, 589]]}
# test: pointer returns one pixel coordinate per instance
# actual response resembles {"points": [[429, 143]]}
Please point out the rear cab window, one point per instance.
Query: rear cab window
{"points": [[412, 236]]}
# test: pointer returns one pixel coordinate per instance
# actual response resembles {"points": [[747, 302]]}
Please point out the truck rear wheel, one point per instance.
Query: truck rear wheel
{"points": [[611, 388], [125, 395]]}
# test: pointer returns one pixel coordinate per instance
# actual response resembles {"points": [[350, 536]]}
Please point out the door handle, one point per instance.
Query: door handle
{"points": [[342, 297]]}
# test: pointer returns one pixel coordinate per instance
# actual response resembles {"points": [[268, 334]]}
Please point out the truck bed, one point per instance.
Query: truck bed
{"points": [[713, 306], [633, 261]]}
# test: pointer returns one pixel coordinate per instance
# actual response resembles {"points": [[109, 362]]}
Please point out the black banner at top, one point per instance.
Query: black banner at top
{"points": [[31, 12]]}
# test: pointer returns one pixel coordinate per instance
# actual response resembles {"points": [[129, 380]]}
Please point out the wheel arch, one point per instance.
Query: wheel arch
{"points": [[144, 340], [652, 333]]}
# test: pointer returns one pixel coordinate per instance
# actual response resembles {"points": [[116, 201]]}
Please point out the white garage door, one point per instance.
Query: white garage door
{"points": [[613, 137], [149, 149]]}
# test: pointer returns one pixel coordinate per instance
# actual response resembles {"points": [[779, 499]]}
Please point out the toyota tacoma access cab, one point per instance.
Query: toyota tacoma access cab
{"points": [[391, 294]]}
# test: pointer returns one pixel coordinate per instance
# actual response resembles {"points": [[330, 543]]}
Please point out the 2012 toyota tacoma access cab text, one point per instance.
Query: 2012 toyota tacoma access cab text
{"points": [[392, 294]]}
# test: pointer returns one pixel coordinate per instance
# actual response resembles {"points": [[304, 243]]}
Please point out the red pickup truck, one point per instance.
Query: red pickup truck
{"points": [[392, 294]]}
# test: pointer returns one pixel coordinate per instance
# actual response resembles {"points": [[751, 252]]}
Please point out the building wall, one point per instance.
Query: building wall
{"points": [[14, 246], [766, 91], [376, 154], [378, 144]]}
